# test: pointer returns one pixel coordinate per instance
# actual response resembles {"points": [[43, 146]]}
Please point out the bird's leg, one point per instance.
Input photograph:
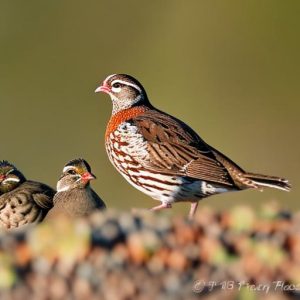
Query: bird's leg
{"points": [[162, 206], [193, 210]]}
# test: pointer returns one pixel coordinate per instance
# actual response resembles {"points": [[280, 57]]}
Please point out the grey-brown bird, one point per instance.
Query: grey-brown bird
{"points": [[165, 158], [22, 201], [75, 197]]}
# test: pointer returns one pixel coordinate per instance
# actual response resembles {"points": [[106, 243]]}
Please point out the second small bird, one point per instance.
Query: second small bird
{"points": [[75, 197]]}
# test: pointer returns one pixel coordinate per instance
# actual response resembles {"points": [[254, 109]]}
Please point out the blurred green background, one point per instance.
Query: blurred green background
{"points": [[230, 69]]}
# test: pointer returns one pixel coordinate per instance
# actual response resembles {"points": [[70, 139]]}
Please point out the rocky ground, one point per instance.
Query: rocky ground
{"points": [[240, 253]]}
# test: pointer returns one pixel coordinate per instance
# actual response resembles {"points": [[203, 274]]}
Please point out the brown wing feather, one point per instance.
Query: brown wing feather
{"points": [[42, 194], [176, 149]]}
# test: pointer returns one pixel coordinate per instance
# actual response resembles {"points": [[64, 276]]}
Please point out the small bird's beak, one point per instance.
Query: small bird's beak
{"points": [[88, 176], [2, 177], [102, 88]]}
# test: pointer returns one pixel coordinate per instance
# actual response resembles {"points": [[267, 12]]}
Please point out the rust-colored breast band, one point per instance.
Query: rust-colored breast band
{"points": [[123, 116]]}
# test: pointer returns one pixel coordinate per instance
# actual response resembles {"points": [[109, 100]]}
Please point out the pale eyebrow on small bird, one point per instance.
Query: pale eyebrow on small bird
{"points": [[11, 179], [126, 83], [67, 168]]}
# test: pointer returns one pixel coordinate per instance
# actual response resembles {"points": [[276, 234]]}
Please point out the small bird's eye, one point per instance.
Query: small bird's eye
{"points": [[72, 172], [116, 85]]}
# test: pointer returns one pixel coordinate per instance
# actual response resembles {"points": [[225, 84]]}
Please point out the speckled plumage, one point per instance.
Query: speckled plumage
{"points": [[24, 202]]}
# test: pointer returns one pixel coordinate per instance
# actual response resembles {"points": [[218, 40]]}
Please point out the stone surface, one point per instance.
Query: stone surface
{"points": [[234, 254]]}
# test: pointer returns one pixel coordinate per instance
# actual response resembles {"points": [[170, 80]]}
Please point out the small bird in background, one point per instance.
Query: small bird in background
{"points": [[163, 157], [75, 197], [22, 201]]}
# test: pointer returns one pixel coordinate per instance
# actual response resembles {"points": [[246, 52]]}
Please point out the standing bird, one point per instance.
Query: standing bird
{"points": [[75, 197], [22, 201], [163, 157]]}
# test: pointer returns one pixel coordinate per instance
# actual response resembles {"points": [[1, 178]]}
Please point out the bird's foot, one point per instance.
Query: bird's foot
{"points": [[162, 206], [193, 210]]}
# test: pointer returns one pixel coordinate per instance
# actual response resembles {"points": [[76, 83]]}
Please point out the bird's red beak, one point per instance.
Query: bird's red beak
{"points": [[88, 176], [103, 88], [2, 177]]}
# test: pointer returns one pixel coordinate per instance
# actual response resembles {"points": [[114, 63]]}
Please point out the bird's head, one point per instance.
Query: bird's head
{"points": [[124, 91], [76, 174], [10, 177]]}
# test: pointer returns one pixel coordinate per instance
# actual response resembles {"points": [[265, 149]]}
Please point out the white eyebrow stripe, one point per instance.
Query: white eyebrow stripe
{"points": [[108, 77], [126, 83], [67, 168], [11, 179]]}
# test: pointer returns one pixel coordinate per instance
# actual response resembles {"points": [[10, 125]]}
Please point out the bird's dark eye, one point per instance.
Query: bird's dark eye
{"points": [[116, 85], [72, 172]]}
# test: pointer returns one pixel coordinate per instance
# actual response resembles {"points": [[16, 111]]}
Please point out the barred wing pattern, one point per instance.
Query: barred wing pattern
{"points": [[174, 148]]}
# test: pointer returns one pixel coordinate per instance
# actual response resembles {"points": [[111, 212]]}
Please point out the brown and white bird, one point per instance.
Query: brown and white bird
{"points": [[163, 157], [22, 201], [75, 197]]}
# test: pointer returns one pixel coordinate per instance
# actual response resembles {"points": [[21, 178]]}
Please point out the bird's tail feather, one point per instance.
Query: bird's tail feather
{"points": [[269, 181]]}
